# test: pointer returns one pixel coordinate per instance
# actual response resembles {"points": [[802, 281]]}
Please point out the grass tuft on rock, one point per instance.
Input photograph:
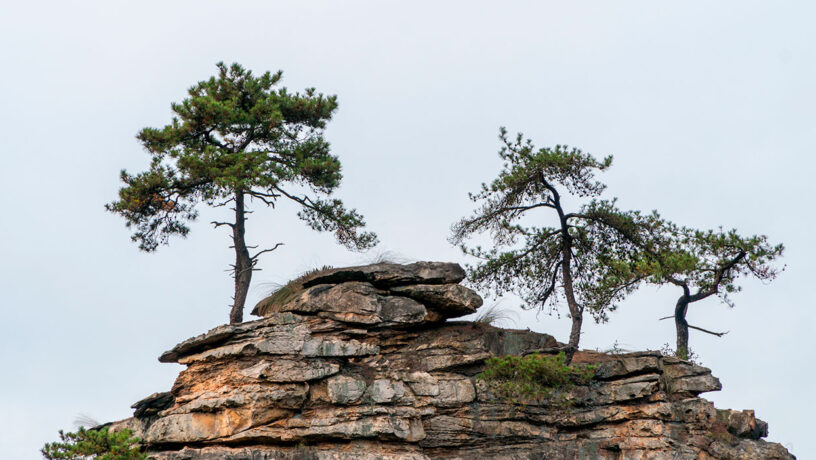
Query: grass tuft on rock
{"points": [[495, 315], [534, 377], [284, 294]]}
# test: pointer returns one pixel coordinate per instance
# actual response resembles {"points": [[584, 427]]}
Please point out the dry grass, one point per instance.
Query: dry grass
{"points": [[386, 257], [283, 294], [495, 315], [617, 348], [85, 421]]}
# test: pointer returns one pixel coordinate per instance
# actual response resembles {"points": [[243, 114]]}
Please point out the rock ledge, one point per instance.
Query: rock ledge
{"points": [[362, 365]]}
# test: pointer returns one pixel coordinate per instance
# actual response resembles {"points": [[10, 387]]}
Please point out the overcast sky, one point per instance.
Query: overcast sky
{"points": [[708, 108]]}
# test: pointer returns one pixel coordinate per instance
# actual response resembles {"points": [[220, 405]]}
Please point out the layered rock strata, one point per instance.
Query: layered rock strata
{"points": [[361, 364]]}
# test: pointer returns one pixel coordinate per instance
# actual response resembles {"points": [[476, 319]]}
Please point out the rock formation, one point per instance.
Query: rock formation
{"points": [[359, 363]]}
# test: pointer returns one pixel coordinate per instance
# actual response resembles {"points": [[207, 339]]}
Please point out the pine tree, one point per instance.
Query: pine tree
{"points": [[702, 263], [238, 137], [580, 258]]}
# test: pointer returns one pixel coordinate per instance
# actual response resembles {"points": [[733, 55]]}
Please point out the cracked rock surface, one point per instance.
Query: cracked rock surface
{"points": [[362, 365]]}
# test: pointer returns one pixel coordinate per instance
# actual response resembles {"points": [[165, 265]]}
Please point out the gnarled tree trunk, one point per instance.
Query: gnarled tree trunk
{"points": [[682, 326], [576, 313]]}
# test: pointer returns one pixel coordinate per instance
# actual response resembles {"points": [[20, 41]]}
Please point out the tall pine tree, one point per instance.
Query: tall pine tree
{"points": [[238, 137]]}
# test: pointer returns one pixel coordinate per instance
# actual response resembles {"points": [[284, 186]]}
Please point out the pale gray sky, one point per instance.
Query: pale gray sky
{"points": [[708, 108]]}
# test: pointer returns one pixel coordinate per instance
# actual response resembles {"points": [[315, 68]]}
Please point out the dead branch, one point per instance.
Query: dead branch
{"points": [[718, 334]]}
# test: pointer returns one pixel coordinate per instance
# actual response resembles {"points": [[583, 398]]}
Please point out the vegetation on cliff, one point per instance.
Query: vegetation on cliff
{"points": [[534, 377], [100, 444]]}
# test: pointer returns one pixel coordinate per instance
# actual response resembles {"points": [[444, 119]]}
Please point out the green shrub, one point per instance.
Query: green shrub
{"points": [[533, 377], [94, 444]]}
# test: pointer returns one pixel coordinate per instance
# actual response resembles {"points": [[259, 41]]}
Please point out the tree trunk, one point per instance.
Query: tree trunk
{"points": [[682, 327], [576, 314], [243, 263], [575, 310]]}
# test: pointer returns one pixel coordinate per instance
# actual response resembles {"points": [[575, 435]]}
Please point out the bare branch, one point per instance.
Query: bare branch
{"points": [[223, 203], [305, 201], [501, 210], [718, 334], [218, 224], [254, 258]]}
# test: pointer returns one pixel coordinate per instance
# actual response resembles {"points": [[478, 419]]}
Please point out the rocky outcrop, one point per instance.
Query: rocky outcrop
{"points": [[361, 364]]}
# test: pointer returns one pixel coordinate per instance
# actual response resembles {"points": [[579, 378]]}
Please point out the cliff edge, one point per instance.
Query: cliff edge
{"points": [[360, 363]]}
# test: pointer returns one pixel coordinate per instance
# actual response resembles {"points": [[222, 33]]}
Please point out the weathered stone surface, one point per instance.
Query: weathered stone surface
{"points": [[356, 299], [388, 274], [358, 303], [202, 426], [385, 391], [287, 340], [422, 383], [344, 389], [290, 370], [623, 366], [458, 346], [356, 422], [221, 334], [360, 365], [212, 337], [696, 384], [329, 451], [400, 310], [454, 391], [153, 404], [337, 347], [743, 424], [286, 396], [617, 392], [452, 300]]}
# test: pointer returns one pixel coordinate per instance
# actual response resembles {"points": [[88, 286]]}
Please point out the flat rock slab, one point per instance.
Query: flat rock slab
{"points": [[388, 274], [224, 333], [291, 370]]}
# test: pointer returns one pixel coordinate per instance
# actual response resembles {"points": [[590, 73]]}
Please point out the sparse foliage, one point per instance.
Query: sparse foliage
{"points": [[237, 137]]}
